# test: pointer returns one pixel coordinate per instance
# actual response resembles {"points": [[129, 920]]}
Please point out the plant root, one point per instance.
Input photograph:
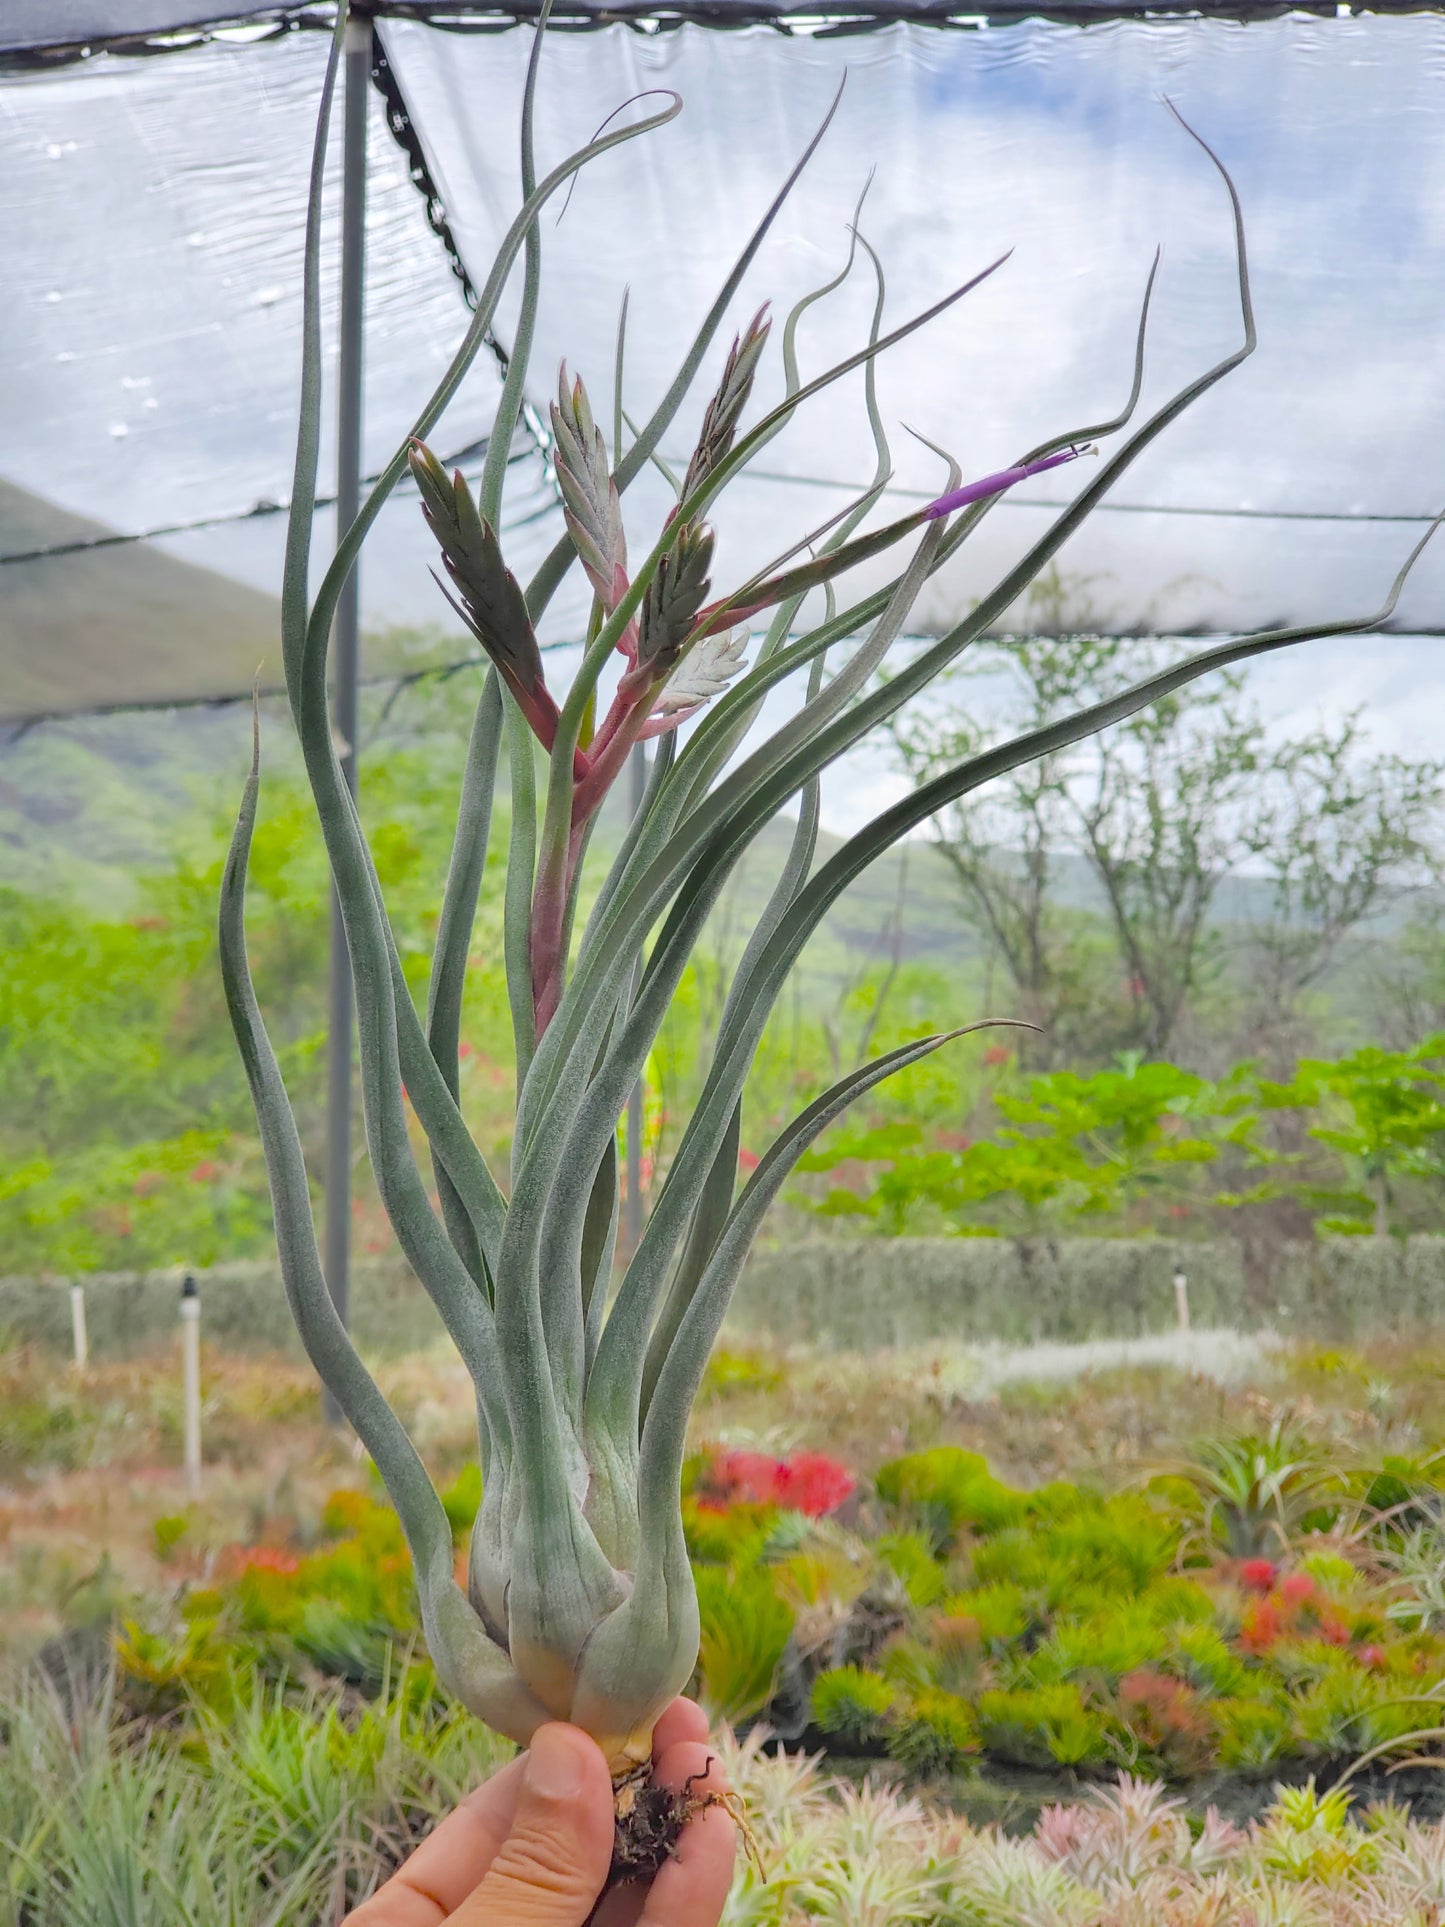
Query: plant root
{"points": [[649, 1823]]}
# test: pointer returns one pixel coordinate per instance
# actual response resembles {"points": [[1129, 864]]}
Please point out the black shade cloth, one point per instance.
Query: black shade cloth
{"points": [[54, 27]]}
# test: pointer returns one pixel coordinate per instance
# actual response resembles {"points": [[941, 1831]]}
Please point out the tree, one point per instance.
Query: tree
{"points": [[1383, 1113], [1003, 844], [1339, 836], [1160, 809], [1159, 815], [1409, 977], [1150, 806], [1070, 1150]]}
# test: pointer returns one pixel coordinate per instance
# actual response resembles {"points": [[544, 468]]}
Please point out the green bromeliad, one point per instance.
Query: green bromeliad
{"points": [[579, 1602]]}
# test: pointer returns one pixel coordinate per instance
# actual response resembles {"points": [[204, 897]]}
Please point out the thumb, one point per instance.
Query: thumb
{"points": [[554, 1861]]}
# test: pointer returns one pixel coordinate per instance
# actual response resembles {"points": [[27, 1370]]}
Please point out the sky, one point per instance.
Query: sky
{"points": [[150, 350]]}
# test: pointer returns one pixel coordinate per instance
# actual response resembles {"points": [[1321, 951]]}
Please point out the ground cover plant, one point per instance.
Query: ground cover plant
{"points": [[579, 1600], [90, 1461], [1165, 1605], [946, 1619], [284, 1813], [1201, 1581]]}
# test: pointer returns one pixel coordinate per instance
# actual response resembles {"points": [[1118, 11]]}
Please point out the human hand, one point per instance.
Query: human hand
{"points": [[532, 1846]]}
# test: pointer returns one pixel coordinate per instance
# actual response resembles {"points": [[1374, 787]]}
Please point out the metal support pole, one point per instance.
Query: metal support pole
{"points": [[345, 653], [191, 1383], [632, 1226]]}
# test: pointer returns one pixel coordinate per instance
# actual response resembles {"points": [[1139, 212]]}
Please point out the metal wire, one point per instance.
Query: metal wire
{"points": [[466, 459], [467, 462]]}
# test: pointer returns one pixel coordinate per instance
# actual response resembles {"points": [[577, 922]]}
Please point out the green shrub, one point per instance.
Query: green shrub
{"points": [[1022, 1558], [1252, 1731], [999, 1610], [745, 1632], [1044, 1725], [160, 1671], [909, 1663], [853, 1705], [1104, 1547], [1123, 1543], [328, 1633], [717, 1534], [730, 1371], [168, 1532], [1203, 1659], [1110, 1644], [1331, 1572], [909, 1556], [946, 1489], [1177, 1602], [935, 1732]]}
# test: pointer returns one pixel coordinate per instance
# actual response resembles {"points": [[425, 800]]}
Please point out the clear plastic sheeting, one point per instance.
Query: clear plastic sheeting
{"points": [[151, 213], [152, 217], [1054, 143]]}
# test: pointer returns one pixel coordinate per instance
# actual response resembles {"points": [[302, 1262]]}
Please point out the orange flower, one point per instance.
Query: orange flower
{"points": [[1263, 1624], [266, 1559]]}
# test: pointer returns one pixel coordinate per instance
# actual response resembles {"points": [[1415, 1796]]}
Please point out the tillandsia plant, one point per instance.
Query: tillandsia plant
{"points": [[579, 1601]]}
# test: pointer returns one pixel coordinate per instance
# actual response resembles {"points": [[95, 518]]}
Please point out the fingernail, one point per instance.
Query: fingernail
{"points": [[555, 1768]]}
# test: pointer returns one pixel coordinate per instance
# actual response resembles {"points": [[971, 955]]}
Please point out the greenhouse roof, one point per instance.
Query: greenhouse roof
{"points": [[55, 27], [152, 218]]}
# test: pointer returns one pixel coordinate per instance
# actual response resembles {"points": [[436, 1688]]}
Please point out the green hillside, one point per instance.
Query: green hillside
{"points": [[127, 623]]}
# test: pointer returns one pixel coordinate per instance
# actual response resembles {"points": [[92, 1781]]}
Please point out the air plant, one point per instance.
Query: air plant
{"points": [[579, 1603]]}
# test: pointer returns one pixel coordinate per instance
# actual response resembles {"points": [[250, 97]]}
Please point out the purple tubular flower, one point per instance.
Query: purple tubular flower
{"points": [[995, 484]]}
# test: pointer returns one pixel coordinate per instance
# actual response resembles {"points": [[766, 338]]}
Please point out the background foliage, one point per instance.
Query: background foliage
{"points": [[1231, 946]]}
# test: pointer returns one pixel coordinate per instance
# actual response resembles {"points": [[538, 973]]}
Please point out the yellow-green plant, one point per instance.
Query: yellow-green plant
{"points": [[579, 1602]]}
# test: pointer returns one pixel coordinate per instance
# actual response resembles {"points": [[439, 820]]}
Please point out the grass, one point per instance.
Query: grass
{"points": [[276, 1815]]}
